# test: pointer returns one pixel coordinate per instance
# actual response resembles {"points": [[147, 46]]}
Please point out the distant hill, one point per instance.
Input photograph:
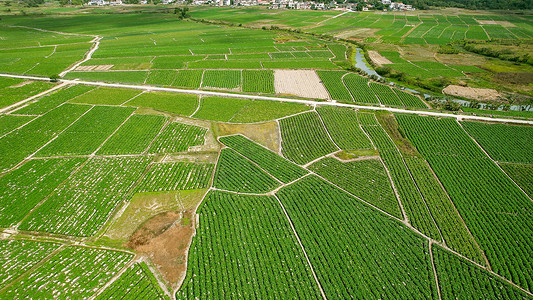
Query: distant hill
{"points": [[473, 4]]}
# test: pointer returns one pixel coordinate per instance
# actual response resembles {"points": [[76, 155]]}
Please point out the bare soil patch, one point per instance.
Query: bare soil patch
{"points": [[514, 77], [301, 83], [378, 59], [266, 134], [20, 84], [165, 239], [472, 93], [357, 34]]}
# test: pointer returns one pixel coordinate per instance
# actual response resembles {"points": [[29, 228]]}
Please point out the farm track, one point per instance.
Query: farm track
{"points": [[279, 99]]}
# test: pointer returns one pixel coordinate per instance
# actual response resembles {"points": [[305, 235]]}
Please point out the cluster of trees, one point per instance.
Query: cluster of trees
{"points": [[473, 4], [505, 53]]}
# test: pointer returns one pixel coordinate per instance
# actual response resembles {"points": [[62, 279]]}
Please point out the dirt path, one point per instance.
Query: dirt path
{"points": [[22, 102], [88, 55], [280, 99]]}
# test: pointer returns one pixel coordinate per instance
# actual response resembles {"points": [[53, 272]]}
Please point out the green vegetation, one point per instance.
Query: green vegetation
{"points": [[358, 87], [115, 76], [176, 176], [304, 138], [178, 137], [137, 282], [258, 81], [490, 204], [10, 122], [344, 128], [106, 96], [460, 279], [84, 269], [19, 256], [22, 142], [88, 133], [333, 82], [26, 186], [327, 219], [134, 136], [229, 235], [269, 161], [415, 207], [83, 203], [51, 101], [503, 143], [236, 173], [385, 94], [366, 179], [521, 174], [179, 104], [226, 79]]}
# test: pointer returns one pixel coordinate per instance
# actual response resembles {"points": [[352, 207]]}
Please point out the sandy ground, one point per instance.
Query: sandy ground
{"points": [[301, 83], [378, 59], [471, 93], [94, 68]]}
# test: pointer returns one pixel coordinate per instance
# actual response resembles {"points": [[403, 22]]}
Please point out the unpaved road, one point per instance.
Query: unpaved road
{"points": [[254, 97]]}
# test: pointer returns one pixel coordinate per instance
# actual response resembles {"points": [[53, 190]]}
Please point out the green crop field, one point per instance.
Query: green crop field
{"points": [[201, 151]]}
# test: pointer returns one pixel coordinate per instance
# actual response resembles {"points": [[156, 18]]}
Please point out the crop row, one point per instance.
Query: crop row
{"points": [[28, 185], [304, 138], [344, 128], [521, 174], [493, 208], [258, 81], [75, 272], [355, 251], [137, 282], [11, 122], [135, 136], [244, 248], [385, 94], [236, 173], [82, 205], [274, 164], [51, 101], [88, 133], [227, 79], [332, 80], [24, 141], [366, 179], [176, 176], [18, 256], [178, 137], [358, 87]]}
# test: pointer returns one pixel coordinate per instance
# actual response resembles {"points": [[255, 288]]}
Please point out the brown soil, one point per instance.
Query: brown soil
{"points": [[514, 77], [165, 239], [378, 59], [472, 93]]}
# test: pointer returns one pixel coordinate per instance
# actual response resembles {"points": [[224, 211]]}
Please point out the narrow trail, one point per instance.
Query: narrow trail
{"points": [[22, 102], [88, 55], [279, 99], [434, 270]]}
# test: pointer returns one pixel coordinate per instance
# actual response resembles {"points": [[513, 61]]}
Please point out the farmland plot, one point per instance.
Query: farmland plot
{"points": [[493, 208], [413, 203], [178, 137], [521, 174], [26, 186], [344, 128], [236, 173], [51, 101], [134, 136], [188, 78], [385, 94], [106, 96], [225, 79], [333, 82], [180, 104], [302, 83], [10, 122], [75, 272], [277, 166], [380, 258], [245, 248], [88, 133], [366, 179], [304, 138], [82, 205], [460, 279], [24, 141], [358, 87], [18, 256], [503, 143], [258, 81], [176, 176], [409, 100], [137, 282]]}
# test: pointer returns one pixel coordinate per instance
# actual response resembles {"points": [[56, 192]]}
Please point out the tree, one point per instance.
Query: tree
{"points": [[182, 12]]}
